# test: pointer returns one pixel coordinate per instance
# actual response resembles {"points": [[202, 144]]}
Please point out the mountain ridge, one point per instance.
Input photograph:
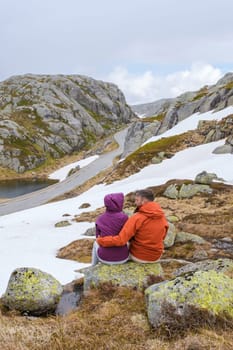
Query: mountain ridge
{"points": [[163, 114], [49, 116]]}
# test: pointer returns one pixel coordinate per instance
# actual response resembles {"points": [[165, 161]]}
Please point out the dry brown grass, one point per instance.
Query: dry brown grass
{"points": [[109, 318], [79, 250]]}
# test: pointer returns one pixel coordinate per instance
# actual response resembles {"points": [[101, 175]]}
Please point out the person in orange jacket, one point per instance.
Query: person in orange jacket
{"points": [[145, 230]]}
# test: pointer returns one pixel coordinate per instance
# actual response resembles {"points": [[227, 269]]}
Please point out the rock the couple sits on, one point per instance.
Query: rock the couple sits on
{"points": [[138, 238]]}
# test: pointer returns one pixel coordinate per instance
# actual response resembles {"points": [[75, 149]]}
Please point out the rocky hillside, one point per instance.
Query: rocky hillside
{"points": [[44, 116], [166, 147], [162, 115]]}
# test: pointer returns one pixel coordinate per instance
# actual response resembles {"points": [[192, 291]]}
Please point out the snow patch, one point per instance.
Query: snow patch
{"points": [[62, 173]]}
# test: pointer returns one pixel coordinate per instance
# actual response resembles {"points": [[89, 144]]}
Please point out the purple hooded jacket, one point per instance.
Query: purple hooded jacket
{"points": [[109, 224]]}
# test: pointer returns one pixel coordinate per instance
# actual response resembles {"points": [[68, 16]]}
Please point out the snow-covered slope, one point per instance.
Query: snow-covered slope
{"points": [[191, 123]]}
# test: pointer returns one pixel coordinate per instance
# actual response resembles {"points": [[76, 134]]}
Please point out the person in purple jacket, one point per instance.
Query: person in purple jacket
{"points": [[110, 223]]}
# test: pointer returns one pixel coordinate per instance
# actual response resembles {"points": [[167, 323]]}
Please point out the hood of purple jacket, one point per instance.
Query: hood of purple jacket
{"points": [[114, 202]]}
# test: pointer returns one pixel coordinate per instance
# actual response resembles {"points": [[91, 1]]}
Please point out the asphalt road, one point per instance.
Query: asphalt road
{"points": [[44, 195]]}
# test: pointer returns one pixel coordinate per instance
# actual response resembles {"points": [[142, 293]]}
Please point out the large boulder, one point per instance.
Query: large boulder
{"points": [[171, 192], [205, 178], [220, 265], [130, 274], [32, 291], [183, 237], [224, 149], [189, 190], [170, 236], [175, 191], [208, 291]]}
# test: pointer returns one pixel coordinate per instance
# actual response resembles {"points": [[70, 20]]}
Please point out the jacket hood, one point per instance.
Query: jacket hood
{"points": [[114, 201], [151, 210]]}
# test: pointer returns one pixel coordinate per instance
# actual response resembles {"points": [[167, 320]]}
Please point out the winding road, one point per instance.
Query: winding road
{"points": [[44, 195]]}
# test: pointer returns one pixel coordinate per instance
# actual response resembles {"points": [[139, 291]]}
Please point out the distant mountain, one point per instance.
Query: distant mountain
{"points": [[49, 116], [161, 115], [215, 94]]}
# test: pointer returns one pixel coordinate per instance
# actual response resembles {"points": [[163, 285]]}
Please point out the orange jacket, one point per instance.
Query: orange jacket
{"points": [[146, 230]]}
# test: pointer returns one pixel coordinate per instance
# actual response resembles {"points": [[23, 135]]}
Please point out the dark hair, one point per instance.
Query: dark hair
{"points": [[147, 194]]}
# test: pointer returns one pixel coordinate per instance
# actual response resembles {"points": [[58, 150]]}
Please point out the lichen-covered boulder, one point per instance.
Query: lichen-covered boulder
{"points": [[175, 191], [220, 265], [130, 274], [170, 236], [208, 291], [32, 291], [205, 178], [183, 237], [171, 192], [190, 190]]}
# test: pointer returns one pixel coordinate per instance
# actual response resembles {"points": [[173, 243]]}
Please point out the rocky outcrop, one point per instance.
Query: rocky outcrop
{"points": [[130, 274], [226, 148], [219, 265], [203, 291], [50, 116], [183, 237], [139, 132], [174, 191], [206, 178], [32, 291], [172, 111], [214, 131]]}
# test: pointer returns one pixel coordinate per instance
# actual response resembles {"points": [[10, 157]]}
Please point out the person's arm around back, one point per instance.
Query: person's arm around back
{"points": [[127, 232]]}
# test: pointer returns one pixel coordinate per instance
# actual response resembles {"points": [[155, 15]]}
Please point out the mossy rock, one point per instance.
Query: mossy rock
{"points": [[170, 236], [183, 237], [171, 191], [62, 223], [32, 291], [220, 265], [130, 274], [172, 218], [208, 291], [189, 191], [205, 178], [175, 191]]}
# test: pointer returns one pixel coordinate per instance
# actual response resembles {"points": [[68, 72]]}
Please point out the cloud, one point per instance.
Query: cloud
{"points": [[148, 87]]}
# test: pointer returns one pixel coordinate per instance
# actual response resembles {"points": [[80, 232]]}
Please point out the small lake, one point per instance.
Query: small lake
{"points": [[15, 188]]}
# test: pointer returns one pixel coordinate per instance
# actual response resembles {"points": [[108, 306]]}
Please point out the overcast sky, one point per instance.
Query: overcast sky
{"points": [[150, 48]]}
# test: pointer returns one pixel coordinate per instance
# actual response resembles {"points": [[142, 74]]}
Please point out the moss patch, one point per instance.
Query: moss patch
{"points": [[229, 85], [158, 117], [201, 93]]}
